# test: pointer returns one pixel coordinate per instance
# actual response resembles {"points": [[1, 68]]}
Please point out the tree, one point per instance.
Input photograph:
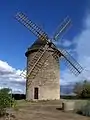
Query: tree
{"points": [[6, 100], [86, 90], [78, 89], [82, 89]]}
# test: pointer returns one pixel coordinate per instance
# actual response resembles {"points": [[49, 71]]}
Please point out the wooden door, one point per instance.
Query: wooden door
{"points": [[35, 93]]}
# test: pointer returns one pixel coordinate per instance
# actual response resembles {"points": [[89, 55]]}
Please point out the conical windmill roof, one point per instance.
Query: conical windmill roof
{"points": [[36, 45]]}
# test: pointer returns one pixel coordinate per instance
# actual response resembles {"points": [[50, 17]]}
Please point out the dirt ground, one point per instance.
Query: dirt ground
{"points": [[49, 110]]}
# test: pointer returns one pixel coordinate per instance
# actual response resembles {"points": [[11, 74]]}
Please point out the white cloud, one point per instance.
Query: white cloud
{"points": [[10, 77], [64, 43], [83, 44], [83, 51]]}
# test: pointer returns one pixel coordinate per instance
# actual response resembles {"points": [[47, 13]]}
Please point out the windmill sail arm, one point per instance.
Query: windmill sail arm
{"points": [[62, 28], [73, 68], [36, 30], [73, 65]]}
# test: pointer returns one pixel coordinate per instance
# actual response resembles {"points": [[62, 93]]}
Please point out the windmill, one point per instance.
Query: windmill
{"points": [[42, 77]]}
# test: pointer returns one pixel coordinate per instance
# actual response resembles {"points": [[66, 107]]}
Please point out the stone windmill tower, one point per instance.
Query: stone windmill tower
{"points": [[46, 83], [43, 72]]}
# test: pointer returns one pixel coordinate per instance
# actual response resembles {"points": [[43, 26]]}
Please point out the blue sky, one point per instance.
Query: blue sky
{"points": [[15, 38]]}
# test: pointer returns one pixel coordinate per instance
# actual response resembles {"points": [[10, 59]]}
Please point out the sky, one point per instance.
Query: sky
{"points": [[15, 38]]}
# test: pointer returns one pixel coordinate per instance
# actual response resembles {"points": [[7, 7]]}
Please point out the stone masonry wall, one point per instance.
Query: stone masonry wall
{"points": [[47, 80]]}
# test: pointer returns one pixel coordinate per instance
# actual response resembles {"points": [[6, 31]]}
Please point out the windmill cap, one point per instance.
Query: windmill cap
{"points": [[35, 46]]}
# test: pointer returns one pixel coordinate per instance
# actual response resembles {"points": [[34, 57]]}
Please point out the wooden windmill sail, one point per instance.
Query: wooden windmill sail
{"points": [[42, 54]]}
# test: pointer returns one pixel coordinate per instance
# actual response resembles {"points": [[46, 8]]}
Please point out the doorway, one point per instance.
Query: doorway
{"points": [[36, 93]]}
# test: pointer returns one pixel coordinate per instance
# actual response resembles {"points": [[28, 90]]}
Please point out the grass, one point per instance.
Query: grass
{"points": [[45, 110]]}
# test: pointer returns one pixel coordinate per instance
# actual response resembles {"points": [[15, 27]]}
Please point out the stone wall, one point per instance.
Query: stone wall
{"points": [[47, 79]]}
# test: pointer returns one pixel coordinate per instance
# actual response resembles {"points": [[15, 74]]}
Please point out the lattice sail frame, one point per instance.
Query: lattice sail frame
{"points": [[73, 65], [37, 31], [63, 27]]}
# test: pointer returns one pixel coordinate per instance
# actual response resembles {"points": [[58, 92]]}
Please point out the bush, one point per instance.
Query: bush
{"points": [[6, 100], [85, 109]]}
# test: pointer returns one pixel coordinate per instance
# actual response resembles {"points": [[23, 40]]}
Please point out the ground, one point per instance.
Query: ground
{"points": [[49, 110]]}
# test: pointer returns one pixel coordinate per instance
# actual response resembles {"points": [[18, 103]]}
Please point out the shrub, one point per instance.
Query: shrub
{"points": [[85, 109], [6, 100]]}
